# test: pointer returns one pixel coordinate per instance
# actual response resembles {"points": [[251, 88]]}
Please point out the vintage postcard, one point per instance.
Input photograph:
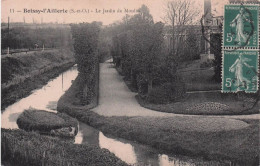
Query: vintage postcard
{"points": [[130, 82]]}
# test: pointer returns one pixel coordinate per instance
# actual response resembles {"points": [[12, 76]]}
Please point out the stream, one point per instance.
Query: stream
{"points": [[132, 153]]}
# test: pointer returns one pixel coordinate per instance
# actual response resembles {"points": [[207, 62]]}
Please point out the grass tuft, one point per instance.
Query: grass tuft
{"points": [[28, 148]]}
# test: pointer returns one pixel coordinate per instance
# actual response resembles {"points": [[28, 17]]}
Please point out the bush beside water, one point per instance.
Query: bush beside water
{"points": [[46, 122], [28, 148]]}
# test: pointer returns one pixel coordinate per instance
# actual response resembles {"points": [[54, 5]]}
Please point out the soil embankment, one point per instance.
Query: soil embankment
{"points": [[22, 73]]}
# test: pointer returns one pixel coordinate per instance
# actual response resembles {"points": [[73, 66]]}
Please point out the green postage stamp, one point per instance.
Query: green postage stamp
{"points": [[241, 26], [240, 57], [240, 71]]}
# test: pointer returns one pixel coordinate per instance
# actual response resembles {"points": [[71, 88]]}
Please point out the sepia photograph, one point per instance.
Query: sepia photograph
{"points": [[130, 83]]}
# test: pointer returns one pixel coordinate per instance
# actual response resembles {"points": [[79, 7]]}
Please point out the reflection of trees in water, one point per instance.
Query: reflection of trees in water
{"points": [[145, 155], [165, 160], [171, 161], [124, 151], [133, 153], [89, 134]]}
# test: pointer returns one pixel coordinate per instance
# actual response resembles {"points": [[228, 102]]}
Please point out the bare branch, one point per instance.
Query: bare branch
{"points": [[180, 13]]}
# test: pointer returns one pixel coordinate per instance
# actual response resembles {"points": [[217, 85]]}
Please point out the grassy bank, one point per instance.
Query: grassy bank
{"points": [[210, 103], [23, 73], [163, 133], [26, 148], [48, 123]]}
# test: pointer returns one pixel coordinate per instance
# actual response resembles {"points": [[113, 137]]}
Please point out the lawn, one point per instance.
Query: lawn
{"points": [[209, 103], [197, 78]]}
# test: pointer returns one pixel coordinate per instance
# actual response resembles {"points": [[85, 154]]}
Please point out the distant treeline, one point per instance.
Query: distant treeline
{"points": [[30, 38]]}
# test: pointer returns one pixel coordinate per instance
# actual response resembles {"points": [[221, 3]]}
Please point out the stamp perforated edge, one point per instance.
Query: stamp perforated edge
{"points": [[226, 48], [222, 72], [237, 47]]}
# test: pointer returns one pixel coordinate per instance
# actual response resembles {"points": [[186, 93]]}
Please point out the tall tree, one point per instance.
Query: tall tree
{"points": [[179, 13], [146, 46], [85, 37]]}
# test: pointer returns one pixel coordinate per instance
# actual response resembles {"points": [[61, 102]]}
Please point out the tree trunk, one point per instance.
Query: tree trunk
{"points": [[173, 36], [150, 86]]}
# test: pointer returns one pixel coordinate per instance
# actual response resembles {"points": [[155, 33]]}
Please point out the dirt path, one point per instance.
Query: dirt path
{"points": [[115, 99]]}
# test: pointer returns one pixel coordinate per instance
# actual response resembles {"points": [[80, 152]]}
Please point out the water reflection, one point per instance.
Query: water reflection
{"points": [[165, 160], [122, 150], [45, 98], [134, 153]]}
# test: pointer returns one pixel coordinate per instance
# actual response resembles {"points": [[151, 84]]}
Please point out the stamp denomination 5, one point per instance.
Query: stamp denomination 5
{"points": [[241, 26], [240, 71]]}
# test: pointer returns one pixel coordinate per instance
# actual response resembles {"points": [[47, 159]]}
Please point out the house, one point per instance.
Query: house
{"points": [[204, 33]]}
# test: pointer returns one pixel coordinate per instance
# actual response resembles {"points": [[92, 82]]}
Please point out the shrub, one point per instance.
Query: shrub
{"points": [[166, 93], [142, 85], [33, 149], [206, 64], [43, 121]]}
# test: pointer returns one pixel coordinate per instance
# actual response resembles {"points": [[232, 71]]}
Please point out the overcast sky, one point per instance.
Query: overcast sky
{"points": [[157, 9]]}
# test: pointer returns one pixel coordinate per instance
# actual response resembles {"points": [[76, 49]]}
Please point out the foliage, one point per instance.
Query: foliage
{"points": [[23, 37], [86, 37], [206, 64], [104, 44], [43, 121], [191, 48], [27, 148], [166, 93], [216, 50], [140, 53]]}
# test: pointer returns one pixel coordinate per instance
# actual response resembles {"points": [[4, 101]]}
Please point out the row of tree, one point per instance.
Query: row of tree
{"points": [[139, 50], [29, 38]]}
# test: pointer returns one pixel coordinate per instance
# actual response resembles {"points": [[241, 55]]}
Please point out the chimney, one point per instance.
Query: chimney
{"points": [[207, 11]]}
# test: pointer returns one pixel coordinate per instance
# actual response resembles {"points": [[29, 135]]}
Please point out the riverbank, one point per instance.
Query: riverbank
{"points": [[234, 140], [23, 73], [28, 148]]}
